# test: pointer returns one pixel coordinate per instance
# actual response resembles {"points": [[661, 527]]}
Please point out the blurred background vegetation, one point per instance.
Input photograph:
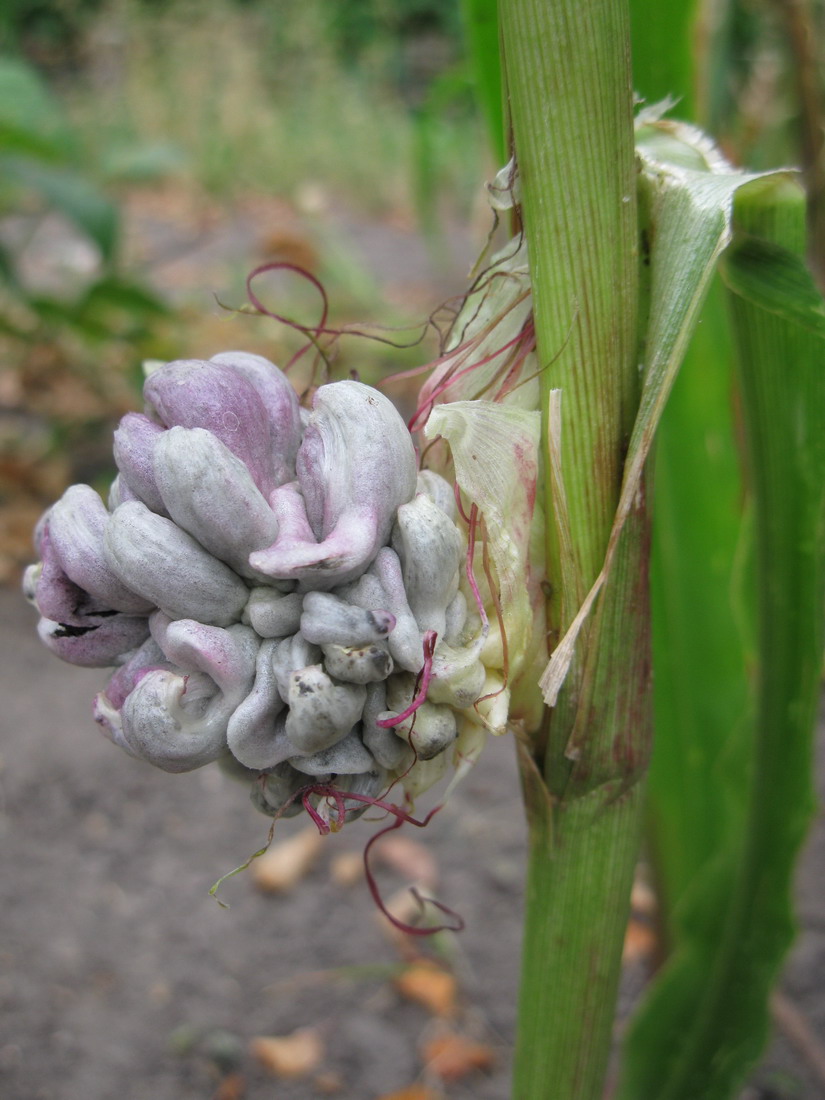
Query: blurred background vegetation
{"points": [[152, 153]]}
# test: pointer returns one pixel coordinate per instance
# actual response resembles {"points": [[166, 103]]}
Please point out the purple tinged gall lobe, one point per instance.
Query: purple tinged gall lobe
{"points": [[362, 664], [321, 712], [177, 720], [273, 614], [329, 620], [94, 646], [146, 657], [356, 466], [430, 548], [346, 757], [77, 524], [389, 750], [253, 735], [193, 393], [272, 791], [405, 641], [291, 654], [134, 446], [210, 493], [155, 558], [279, 400]]}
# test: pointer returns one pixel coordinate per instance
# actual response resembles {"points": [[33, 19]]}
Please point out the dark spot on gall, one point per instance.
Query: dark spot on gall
{"points": [[67, 631]]}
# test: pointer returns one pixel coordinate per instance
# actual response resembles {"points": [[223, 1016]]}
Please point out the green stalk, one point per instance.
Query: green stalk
{"points": [[568, 76], [583, 850], [567, 67]]}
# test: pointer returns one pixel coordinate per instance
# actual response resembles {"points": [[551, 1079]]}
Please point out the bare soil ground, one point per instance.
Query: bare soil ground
{"points": [[121, 977]]}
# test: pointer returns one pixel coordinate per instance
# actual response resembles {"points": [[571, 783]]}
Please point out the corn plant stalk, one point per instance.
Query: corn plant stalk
{"points": [[568, 78]]}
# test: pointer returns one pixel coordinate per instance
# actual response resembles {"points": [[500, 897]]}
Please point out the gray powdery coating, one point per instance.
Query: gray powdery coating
{"points": [[262, 581]]}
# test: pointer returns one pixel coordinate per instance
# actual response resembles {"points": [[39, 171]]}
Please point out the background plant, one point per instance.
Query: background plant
{"points": [[704, 694], [73, 324], [138, 119], [727, 807]]}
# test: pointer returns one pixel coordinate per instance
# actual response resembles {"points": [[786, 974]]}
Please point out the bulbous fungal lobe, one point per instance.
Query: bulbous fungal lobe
{"points": [[165, 565], [98, 645], [429, 546], [209, 492], [356, 465], [177, 718], [134, 451], [266, 583], [193, 393], [329, 620], [255, 736], [280, 402], [273, 614]]}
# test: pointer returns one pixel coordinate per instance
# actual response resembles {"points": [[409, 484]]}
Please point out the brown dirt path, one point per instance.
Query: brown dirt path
{"points": [[120, 976]]}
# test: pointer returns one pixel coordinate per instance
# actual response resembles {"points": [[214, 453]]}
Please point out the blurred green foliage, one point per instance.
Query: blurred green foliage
{"points": [[737, 540], [131, 129], [73, 326], [752, 74], [42, 174], [51, 32], [264, 97]]}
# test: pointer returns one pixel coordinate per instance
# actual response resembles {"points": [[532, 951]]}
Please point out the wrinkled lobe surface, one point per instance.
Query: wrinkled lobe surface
{"points": [[263, 584], [356, 466]]}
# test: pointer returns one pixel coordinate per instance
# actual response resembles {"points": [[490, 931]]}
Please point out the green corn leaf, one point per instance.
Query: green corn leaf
{"points": [[110, 308], [702, 636], [9, 328], [112, 293], [8, 273], [776, 280], [21, 142], [72, 195], [663, 51], [60, 315], [706, 1020]]}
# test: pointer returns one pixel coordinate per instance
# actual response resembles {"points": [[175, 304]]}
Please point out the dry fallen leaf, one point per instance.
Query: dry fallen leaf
{"points": [[454, 1056], [347, 868], [404, 907], [232, 1087], [408, 858], [328, 1084], [295, 1055], [639, 941], [413, 1092], [283, 245], [286, 863], [429, 985], [642, 898]]}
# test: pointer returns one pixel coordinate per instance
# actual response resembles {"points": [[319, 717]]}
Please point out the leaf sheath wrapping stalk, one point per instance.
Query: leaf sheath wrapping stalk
{"points": [[584, 847]]}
